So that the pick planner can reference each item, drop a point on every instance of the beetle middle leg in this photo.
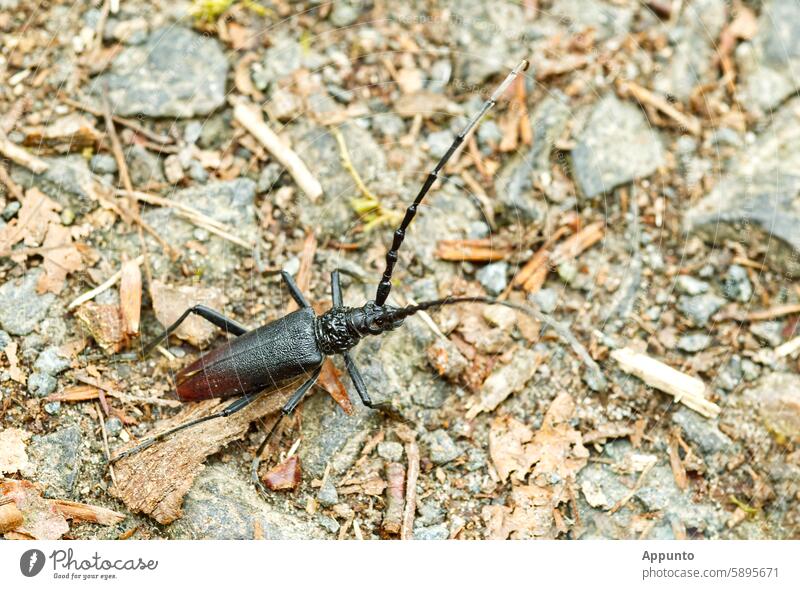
(207, 313)
(287, 409)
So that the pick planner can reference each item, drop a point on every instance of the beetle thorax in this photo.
(342, 328)
(335, 332)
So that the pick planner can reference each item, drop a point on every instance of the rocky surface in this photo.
(175, 73)
(757, 202)
(616, 146)
(769, 63)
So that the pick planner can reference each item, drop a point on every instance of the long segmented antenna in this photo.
(391, 256)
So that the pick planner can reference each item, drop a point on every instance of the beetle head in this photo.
(372, 319)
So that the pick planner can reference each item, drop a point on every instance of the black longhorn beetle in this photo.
(258, 361)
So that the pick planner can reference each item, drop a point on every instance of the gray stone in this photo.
(5, 339)
(21, 308)
(327, 430)
(51, 362)
(222, 505)
(694, 43)
(391, 451)
(113, 426)
(605, 18)
(546, 299)
(57, 458)
(776, 397)
(328, 523)
(616, 146)
(284, 56)
(496, 32)
(690, 285)
(737, 286)
(332, 214)
(493, 277)
(102, 163)
(756, 202)
(64, 181)
(175, 73)
(769, 64)
(52, 408)
(438, 143)
(41, 384)
(700, 308)
(770, 332)
(389, 124)
(430, 514)
(144, 166)
(694, 342)
(11, 210)
(702, 432)
(230, 202)
(269, 176)
(730, 375)
(441, 447)
(327, 494)
(437, 532)
(344, 13)
(515, 181)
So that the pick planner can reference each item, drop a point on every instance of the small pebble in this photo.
(391, 451)
(694, 342)
(102, 163)
(113, 426)
(41, 384)
(52, 408)
(327, 494)
(546, 299)
(493, 277)
(690, 285)
(737, 286)
(442, 449)
(328, 523)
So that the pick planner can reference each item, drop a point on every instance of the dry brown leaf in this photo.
(13, 457)
(104, 323)
(555, 454)
(30, 226)
(170, 302)
(285, 476)
(13, 364)
(61, 257)
(506, 380)
(130, 296)
(41, 519)
(330, 380)
(425, 103)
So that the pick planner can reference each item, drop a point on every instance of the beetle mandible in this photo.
(259, 361)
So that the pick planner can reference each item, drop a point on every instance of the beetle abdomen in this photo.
(263, 358)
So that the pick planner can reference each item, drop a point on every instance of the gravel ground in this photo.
(674, 136)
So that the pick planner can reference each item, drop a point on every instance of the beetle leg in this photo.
(287, 409)
(207, 313)
(294, 290)
(336, 289)
(361, 388)
(236, 405)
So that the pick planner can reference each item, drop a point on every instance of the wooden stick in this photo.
(645, 96)
(250, 118)
(131, 124)
(20, 156)
(685, 388)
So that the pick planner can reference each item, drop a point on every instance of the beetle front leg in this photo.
(361, 388)
(207, 313)
(287, 409)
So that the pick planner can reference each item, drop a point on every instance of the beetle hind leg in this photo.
(207, 313)
(287, 409)
(361, 389)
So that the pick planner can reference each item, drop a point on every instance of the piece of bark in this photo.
(104, 323)
(395, 491)
(83, 512)
(41, 521)
(20, 156)
(155, 480)
(13, 457)
(686, 389)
